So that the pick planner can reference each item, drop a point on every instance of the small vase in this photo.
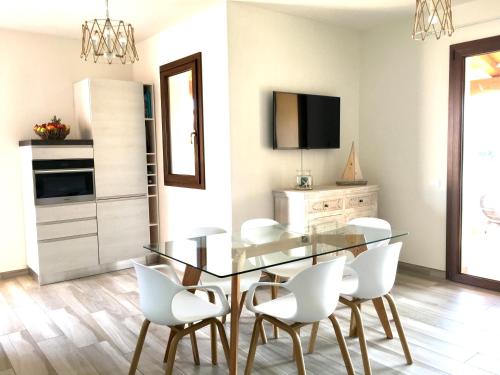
(304, 180)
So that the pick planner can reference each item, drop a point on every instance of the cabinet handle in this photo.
(361, 201)
(326, 205)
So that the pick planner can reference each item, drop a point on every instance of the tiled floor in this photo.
(90, 326)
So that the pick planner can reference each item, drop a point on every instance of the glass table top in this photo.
(228, 254)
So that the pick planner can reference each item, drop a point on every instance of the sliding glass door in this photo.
(473, 243)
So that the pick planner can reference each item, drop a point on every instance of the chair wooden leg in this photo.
(274, 295)
(297, 350)
(213, 333)
(138, 348)
(171, 353)
(399, 327)
(173, 331)
(342, 345)
(297, 347)
(178, 335)
(224, 317)
(355, 308)
(353, 331)
(223, 339)
(263, 336)
(242, 302)
(194, 347)
(253, 346)
(382, 315)
(312, 339)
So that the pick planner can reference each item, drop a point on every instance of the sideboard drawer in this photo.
(326, 205)
(360, 201)
(62, 212)
(326, 223)
(66, 229)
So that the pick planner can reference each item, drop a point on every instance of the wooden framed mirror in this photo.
(182, 121)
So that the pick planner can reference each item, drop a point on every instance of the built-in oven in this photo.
(63, 180)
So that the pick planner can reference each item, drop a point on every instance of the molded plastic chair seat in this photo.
(283, 308)
(349, 283)
(188, 307)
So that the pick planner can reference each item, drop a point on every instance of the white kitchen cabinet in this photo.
(123, 229)
(111, 113)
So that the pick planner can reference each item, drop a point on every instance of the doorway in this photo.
(473, 205)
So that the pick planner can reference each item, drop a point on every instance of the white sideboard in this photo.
(326, 206)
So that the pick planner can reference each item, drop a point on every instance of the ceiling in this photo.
(357, 14)
(64, 17)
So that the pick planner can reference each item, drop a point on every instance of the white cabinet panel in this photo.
(123, 229)
(120, 165)
(69, 211)
(67, 254)
(62, 152)
(117, 127)
(66, 229)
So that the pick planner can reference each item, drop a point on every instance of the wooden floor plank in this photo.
(73, 327)
(24, 355)
(65, 357)
(105, 358)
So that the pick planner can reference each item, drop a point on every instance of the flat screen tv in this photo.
(303, 121)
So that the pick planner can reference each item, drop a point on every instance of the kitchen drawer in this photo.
(360, 201)
(67, 254)
(69, 152)
(326, 223)
(326, 205)
(62, 212)
(66, 229)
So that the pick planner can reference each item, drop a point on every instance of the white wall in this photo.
(205, 32)
(404, 125)
(274, 51)
(36, 81)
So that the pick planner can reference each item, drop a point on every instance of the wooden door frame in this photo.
(458, 53)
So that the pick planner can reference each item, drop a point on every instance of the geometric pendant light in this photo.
(432, 17)
(108, 41)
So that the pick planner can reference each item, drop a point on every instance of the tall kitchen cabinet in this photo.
(111, 112)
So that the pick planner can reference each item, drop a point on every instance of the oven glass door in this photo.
(59, 186)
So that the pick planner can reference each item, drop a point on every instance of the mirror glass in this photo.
(183, 136)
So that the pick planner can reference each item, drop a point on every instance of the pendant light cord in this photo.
(301, 161)
(107, 10)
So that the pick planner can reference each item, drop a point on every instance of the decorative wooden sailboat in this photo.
(352, 173)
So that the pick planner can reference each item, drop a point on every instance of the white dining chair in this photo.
(373, 273)
(260, 231)
(163, 300)
(246, 279)
(313, 296)
(372, 222)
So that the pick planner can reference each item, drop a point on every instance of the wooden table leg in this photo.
(235, 294)
(382, 315)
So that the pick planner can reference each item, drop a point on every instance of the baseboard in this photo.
(14, 273)
(421, 270)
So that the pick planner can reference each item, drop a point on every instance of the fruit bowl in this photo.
(53, 130)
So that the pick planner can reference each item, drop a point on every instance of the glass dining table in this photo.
(233, 254)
